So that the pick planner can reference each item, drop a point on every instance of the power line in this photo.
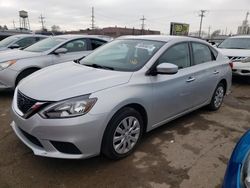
(202, 15)
(142, 24)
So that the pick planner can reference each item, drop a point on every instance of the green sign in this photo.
(179, 29)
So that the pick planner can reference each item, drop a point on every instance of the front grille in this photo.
(66, 147)
(24, 103)
(236, 58)
(32, 139)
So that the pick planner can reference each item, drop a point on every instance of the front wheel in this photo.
(218, 97)
(122, 134)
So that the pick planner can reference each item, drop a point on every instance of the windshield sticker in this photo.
(133, 61)
(149, 47)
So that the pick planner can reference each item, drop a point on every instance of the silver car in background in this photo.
(237, 49)
(123, 89)
(18, 64)
(20, 41)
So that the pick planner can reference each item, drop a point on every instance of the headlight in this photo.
(5, 65)
(69, 108)
(245, 173)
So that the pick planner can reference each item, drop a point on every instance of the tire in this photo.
(127, 138)
(24, 74)
(217, 98)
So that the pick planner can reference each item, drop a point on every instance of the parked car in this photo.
(20, 41)
(237, 49)
(238, 169)
(120, 91)
(16, 65)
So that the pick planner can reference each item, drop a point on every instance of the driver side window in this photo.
(177, 54)
(76, 45)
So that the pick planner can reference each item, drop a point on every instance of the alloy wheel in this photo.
(126, 135)
(219, 95)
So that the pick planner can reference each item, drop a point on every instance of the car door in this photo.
(172, 93)
(206, 73)
(76, 49)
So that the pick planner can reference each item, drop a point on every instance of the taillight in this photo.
(231, 65)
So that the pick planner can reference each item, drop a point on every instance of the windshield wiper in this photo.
(99, 66)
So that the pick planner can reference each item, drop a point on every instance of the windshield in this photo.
(9, 40)
(123, 55)
(235, 43)
(45, 44)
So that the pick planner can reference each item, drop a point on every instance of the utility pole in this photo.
(202, 15)
(93, 19)
(209, 29)
(42, 21)
(142, 24)
(14, 26)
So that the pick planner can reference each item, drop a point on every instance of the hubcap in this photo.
(126, 135)
(219, 94)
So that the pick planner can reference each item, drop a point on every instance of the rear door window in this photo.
(95, 43)
(201, 53)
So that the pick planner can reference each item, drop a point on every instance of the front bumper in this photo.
(7, 78)
(83, 133)
(241, 69)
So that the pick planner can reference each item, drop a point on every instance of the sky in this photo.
(226, 15)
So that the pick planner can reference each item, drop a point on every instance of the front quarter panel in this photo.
(38, 62)
(137, 91)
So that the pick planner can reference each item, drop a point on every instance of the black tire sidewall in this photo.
(107, 145)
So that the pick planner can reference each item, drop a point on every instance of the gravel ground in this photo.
(191, 152)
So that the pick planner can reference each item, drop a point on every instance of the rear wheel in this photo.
(24, 74)
(122, 134)
(218, 97)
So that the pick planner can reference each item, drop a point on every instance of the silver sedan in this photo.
(117, 93)
(17, 64)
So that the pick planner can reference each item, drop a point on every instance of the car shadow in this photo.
(243, 80)
(101, 161)
(6, 93)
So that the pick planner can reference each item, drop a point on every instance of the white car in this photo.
(18, 64)
(237, 49)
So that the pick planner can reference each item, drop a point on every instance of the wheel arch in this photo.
(22, 72)
(224, 82)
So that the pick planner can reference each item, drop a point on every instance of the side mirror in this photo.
(166, 68)
(13, 46)
(60, 51)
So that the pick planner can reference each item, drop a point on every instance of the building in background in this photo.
(244, 29)
(115, 31)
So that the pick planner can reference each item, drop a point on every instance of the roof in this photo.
(27, 35)
(241, 36)
(75, 36)
(163, 38)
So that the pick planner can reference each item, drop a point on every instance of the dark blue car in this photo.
(238, 169)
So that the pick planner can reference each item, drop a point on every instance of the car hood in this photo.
(68, 80)
(235, 52)
(16, 54)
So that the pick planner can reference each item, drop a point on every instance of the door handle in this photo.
(216, 72)
(190, 79)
